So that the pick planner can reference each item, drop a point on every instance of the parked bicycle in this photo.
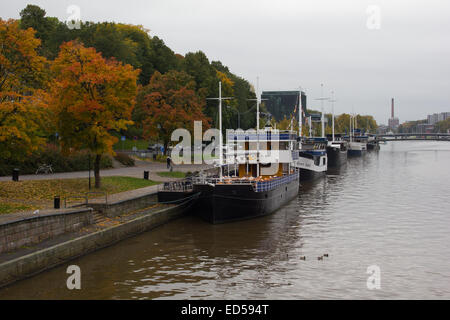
(45, 168)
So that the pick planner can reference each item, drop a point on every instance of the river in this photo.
(389, 209)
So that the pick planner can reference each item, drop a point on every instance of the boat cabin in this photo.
(261, 154)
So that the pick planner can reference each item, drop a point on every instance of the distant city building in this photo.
(425, 128)
(393, 122)
(382, 129)
(437, 117)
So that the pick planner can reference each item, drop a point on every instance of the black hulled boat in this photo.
(336, 151)
(264, 179)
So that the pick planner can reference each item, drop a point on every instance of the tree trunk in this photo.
(97, 170)
(166, 145)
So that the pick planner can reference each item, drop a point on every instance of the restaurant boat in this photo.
(259, 177)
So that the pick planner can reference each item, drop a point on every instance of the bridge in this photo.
(413, 136)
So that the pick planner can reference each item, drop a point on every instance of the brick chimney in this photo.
(392, 108)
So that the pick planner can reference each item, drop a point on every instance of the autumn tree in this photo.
(284, 124)
(230, 108)
(92, 96)
(22, 103)
(366, 123)
(442, 126)
(169, 102)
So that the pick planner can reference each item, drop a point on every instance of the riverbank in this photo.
(386, 209)
(34, 242)
(51, 238)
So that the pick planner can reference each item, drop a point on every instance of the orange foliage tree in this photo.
(22, 103)
(91, 97)
(170, 102)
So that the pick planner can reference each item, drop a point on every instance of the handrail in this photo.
(75, 197)
(184, 185)
(96, 192)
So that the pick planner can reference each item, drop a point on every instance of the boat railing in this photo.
(224, 180)
(273, 183)
(258, 185)
(176, 186)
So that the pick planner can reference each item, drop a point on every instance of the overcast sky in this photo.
(405, 54)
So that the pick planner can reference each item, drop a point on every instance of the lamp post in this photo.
(89, 160)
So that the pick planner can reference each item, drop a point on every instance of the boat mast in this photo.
(257, 125)
(257, 104)
(300, 115)
(220, 98)
(310, 127)
(321, 103)
(220, 129)
(322, 98)
(351, 120)
(332, 113)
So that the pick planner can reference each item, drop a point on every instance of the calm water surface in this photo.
(389, 209)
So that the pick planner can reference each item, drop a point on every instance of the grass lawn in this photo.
(8, 207)
(129, 144)
(34, 194)
(173, 174)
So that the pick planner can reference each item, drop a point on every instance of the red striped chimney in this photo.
(392, 109)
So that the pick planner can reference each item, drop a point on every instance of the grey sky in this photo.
(303, 43)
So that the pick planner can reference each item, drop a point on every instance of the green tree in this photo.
(162, 57)
(50, 31)
(197, 65)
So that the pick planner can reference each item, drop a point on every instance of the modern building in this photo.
(393, 122)
(437, 117)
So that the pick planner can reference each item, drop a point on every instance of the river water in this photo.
(389, 209)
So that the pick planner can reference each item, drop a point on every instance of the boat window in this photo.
(317, 161)
(306, 155)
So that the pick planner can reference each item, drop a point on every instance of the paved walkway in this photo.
(116, 197)
(137, 172)
(15, 216)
